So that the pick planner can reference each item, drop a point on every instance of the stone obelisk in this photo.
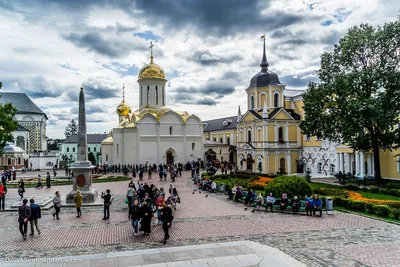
(82, 168)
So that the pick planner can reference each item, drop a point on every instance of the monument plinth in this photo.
(82, 168)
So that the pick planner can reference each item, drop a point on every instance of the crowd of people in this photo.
(313, 203)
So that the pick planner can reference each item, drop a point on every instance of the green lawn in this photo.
(378, 196)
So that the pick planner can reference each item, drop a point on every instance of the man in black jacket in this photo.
(134, 215)
(166, 215)
(24, 213)
(35, 216)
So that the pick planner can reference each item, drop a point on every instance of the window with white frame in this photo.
(332, 168)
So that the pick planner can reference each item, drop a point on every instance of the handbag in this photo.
(178, 200)
(126, 201)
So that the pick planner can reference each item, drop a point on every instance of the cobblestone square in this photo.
(340, 239)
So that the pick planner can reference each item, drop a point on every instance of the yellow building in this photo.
(268, 134)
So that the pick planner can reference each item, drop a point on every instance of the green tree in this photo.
(357, 101)
(53, 143)
(71, 129)
(7, 123)
(92, 158)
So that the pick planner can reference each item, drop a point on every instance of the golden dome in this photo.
(123, 109)
(151, 71)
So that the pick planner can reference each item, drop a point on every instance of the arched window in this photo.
(148, 94)
(67, 149)
(170, 130)
(193, 145)
(156, 95)
(9, 161)
(248, 136)
(141, 92)
(21, 142)
(49, 164)
(73, 149)
(163, 94)
(19, 161)
(276, 100)
(220, 152)
(263, 98)
(282, 165)
(280, 134)
(252, 102)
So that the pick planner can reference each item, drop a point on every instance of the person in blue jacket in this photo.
(317, 205)
(309, 204)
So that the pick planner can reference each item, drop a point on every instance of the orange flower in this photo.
(263, 181)
(358, 196)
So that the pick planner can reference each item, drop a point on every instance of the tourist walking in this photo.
(23, 217)
(134, 215)
(107, 203)
(147, 215)
(35, 216)
(166, 215)
(3, 192)
(78, 203)
(149, 174)
(39, 182)
(48, 178)
(21, 188)
(129, 195)
(57, 205)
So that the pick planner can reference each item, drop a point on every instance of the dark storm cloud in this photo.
(91, 109)
(38, 87)
(224, 17)
(207, 58)
(231, 75)
(96, 43)
(101, 87)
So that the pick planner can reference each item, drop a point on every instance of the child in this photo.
(259, 202)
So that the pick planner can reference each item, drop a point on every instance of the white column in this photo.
(267, 162)
(276, 162)
(231, 140)
(370, 164)
(337, 163)
(224, 138)
(159, 156)
(276, 134)
(348, 166)
(373, 164)
(286, 128)
(362, 163)
(265, 135)
(289, 162)
(342, 162)
(357, 156)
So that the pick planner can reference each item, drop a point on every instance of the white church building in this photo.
(153, 133)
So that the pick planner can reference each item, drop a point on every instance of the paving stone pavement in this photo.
(334, 240)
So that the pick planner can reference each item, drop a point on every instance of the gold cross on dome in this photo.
(151, 48)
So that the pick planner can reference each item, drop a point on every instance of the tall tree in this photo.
(357, 101)
(92, 158)
(7, 123)
(53, 144)
(71, 129)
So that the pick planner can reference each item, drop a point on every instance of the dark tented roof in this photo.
(91, 139)
(218, 124)
(21, 102)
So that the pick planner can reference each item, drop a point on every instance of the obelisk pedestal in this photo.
(82, 168)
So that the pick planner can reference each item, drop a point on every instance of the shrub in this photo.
(382, 210)
(256, 186)
(338, 201)
(291, 185)
(374, 190)
(392, 192)
(395, 213)
(357, 205)
(204, 174)
(384, 191)
(370, 208)
(392, 185)
(398, 193)
(331, 192)
(221, 176)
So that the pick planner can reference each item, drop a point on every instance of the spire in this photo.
(264, 63)
(123, 92)
(239, 117)
(265, 111)
(151, 52)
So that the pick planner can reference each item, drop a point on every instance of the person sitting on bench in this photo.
(284, 202)
(309, 204)
(270, 202)
(317, 205)
(251, 195)
(295, 204)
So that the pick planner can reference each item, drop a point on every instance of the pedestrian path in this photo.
(238, 254)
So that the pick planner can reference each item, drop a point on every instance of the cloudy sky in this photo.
(209, 49)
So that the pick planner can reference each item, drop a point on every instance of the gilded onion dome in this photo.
(123, 109)
(151, 70)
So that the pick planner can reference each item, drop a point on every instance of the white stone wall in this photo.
(324, 155)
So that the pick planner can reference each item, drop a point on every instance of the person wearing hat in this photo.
(78, 203)
(295, 205)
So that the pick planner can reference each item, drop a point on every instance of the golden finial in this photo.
(151, 52)
(81, 88)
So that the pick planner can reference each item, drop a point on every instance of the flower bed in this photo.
(260, 183)
(359, 197)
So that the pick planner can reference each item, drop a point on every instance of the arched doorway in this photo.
(282, 165)
(249, 161)
(170, 157)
